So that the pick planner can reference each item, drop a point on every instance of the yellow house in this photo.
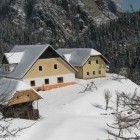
(39, 66)
(89, 62)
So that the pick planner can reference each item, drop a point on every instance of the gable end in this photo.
(4, 60)
(49, 53)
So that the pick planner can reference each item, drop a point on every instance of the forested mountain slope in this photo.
(73, 23)
(48, 21)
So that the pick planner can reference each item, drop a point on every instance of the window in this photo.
(32, 83)
(99, 71)
(87, 73)
(7, 68)
(60, 80)
(93, 72)
(40, 68)
(97, 62)
(46, 81)
(89, 62)
(55, 66)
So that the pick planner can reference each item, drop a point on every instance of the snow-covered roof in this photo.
(8, 87)
(14, 57)
(29, 54)
(25, 56)
(78, 56)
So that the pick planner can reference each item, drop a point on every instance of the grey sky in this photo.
(126, 4)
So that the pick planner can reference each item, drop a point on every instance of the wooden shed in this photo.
(16, 99)
(23, 97)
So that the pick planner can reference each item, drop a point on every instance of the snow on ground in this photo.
(69, 114)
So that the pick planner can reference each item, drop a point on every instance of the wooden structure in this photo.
(20, 105)
(22, 110)
(16, 99)
(23, 97)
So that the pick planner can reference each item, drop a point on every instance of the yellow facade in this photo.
(94, 67)
(50, 67)
(79, 73)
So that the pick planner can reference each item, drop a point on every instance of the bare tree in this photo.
(118, 98)
(6, 130)
(107, 96)
(127, 117)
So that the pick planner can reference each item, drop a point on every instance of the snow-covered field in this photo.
(69, 114)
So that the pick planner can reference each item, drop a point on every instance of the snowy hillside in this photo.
(68, 113)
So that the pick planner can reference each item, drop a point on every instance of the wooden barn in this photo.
(16, 100)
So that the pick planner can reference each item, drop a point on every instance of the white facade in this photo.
(52, 79)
